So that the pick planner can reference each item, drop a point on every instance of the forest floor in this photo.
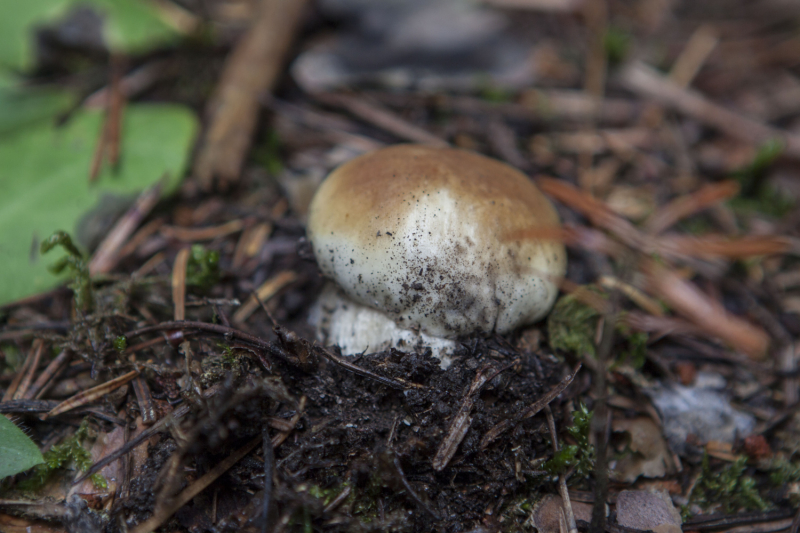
(668, 373)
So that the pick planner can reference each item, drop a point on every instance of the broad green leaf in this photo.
(129, 26)
(17, 452)
(132, 26)
(21, 106)
(44, 183)
(18, 21)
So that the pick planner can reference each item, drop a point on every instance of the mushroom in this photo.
(426, 245)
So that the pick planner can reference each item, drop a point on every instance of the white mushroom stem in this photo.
(356, 329)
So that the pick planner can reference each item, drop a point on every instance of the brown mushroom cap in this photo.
(422, 234)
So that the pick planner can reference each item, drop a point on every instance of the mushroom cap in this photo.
(427, 236)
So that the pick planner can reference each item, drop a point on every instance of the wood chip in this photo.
(251, 70)
(179, 283)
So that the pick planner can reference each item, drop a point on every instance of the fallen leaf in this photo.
(546, 514)
(649, 454)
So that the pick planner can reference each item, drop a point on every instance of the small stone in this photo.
(643, 510)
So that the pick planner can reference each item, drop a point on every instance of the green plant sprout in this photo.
(728, 487)
(81, 283)
(755, 194)
(572, 327)
(202, 271)
(581, 455)
(268, 153)
(783, 472)
(120, 344)
(62, 455)
(616, 42)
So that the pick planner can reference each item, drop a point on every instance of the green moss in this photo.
(268, 153)
(756, 195)
(636, 354)
(60, 456)
(728, 487)
(202, 270)
(121, 344)
(572, 325)
(616, 42)
(78, 265)
(782, 472)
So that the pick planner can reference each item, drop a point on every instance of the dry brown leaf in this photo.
(650, 455)
(547, 513)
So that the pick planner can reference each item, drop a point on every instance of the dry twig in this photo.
(251, 70)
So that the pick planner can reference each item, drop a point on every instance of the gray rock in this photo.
(705, 413)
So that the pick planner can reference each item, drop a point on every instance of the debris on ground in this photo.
(163, 327)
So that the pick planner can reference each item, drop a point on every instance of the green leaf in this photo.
(17, 452)
(18, 20)
(129, 26)
(44, 183)
(132, 26)
(21, 106)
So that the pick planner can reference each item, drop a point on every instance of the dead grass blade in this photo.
(90, 395)
(572, 527)
(179, 283)
(35, 356)
(382, 118)
(633, 294)
(201, 234)
(537, 406)
(107, 254)
(716, 246)
(575, 236)
(267, 290)
(708, 314)
(40, 386)
(690, 204)
(694, 55)
(595, 210)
